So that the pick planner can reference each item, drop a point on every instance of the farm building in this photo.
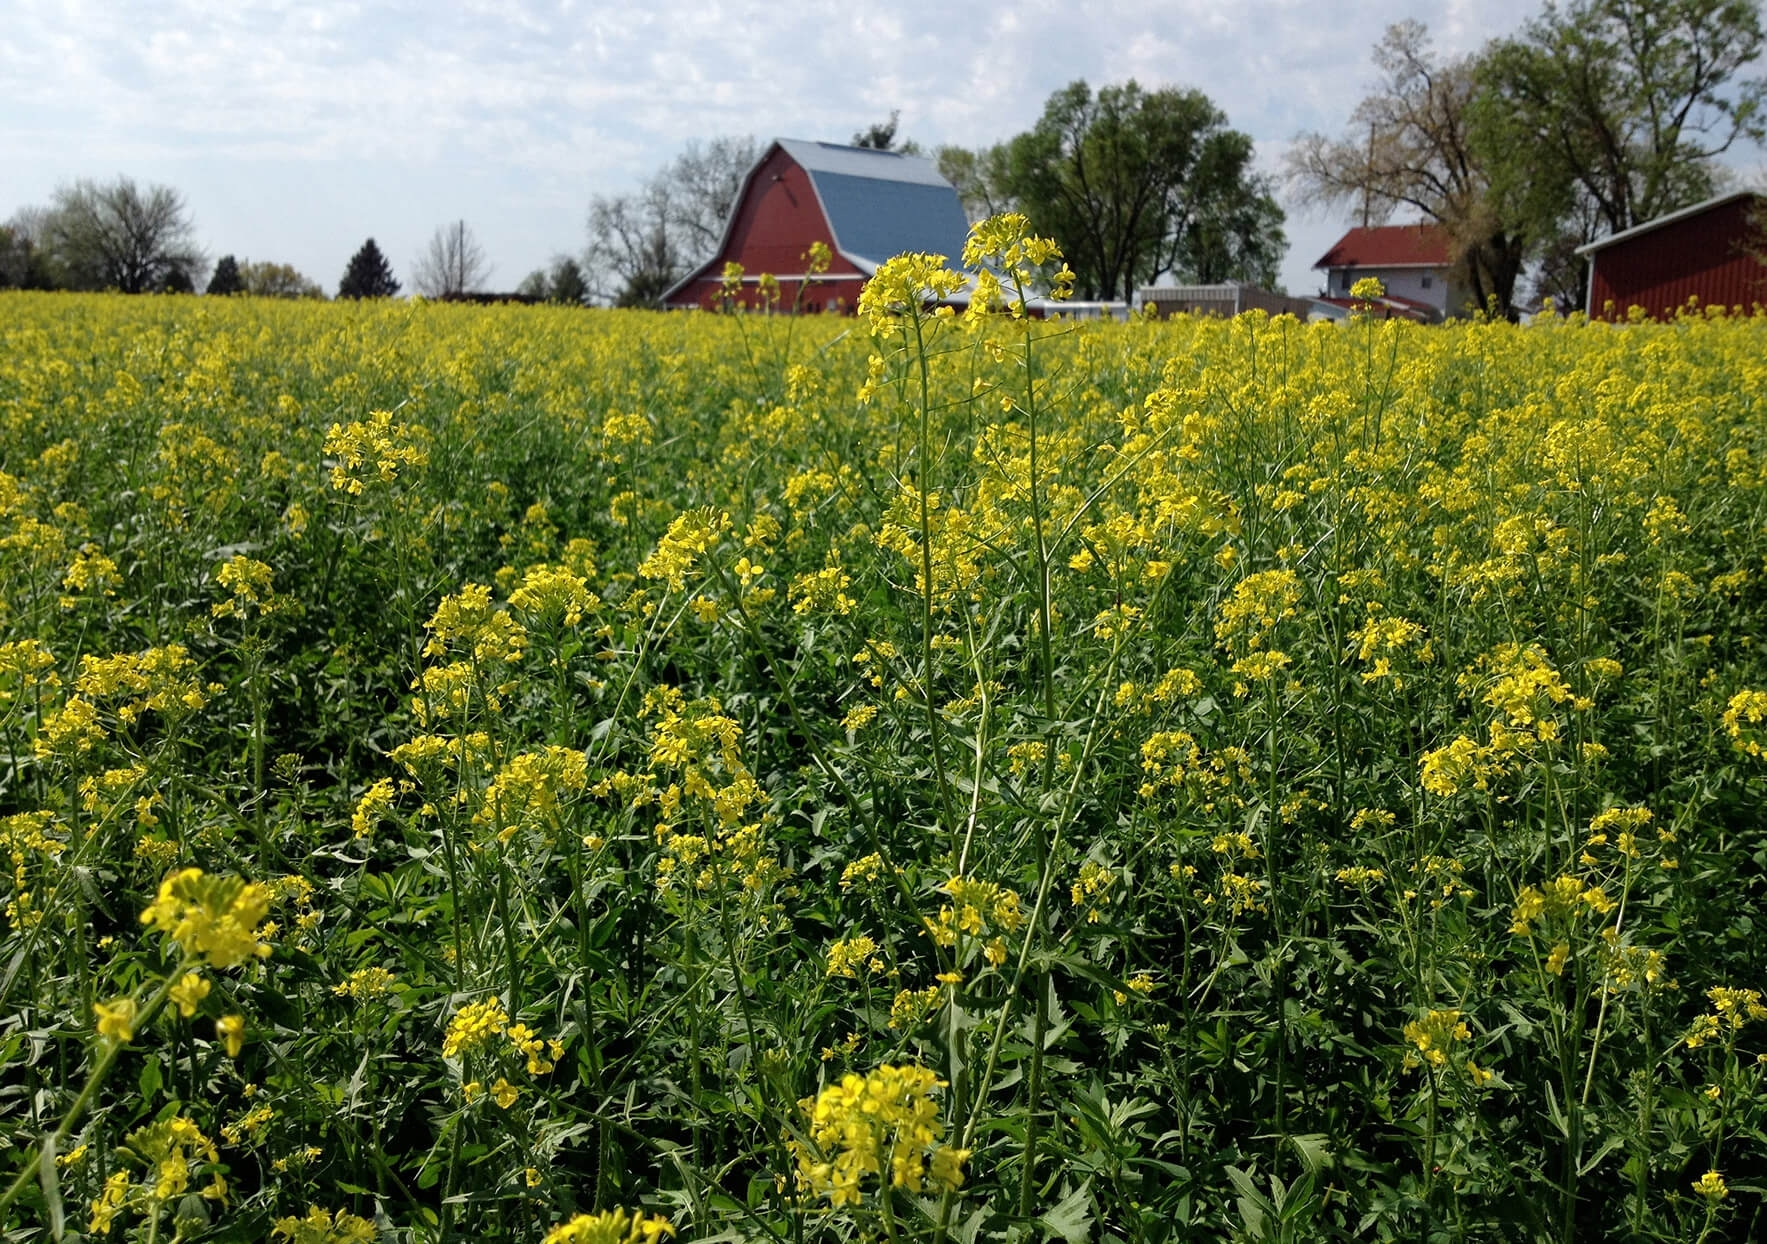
(1413, 262)
(1325, 307)
(866, 205)
(1715, 252)
(1226, 299)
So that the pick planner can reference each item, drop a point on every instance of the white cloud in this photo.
(297, 128)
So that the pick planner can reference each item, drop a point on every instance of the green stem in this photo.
(42, 1165)
(924, 472)
(1034, 1095)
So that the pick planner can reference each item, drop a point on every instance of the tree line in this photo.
(120, 236)
(1135, 183)
(1595, 117)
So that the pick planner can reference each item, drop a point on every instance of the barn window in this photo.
(1428, 280)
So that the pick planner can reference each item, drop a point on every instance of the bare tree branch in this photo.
(453, 264)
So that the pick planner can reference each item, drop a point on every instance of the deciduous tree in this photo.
(264, 279)
(452, 264)
(117, 235)
(1133, 184)
(882, 136)
(24, 260)
(634, 254)
(641, 243)
(1410, 147)
(980, 178)
(1609, 113)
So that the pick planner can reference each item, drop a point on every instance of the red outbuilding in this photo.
(864, 205)
(1714, 252)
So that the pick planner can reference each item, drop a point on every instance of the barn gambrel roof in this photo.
(877, 203)
(881, 203)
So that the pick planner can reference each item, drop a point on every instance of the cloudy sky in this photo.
(295, 130)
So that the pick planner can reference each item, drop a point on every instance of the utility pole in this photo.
(1368, 176)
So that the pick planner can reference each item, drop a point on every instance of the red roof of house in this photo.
(1391, 306)
(1390, 246)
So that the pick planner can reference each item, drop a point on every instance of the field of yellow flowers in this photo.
(528, 774)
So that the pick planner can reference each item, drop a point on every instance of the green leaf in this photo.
(150, 1079)
(1314, 1150)
(1071, 1219)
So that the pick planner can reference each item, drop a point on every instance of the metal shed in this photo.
(1713, 252)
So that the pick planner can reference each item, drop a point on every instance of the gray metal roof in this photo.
(862, 162)
(881, 203)
(1668, 219)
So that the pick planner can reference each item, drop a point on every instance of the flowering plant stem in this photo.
(42, 1165)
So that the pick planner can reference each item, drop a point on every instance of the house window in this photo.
(1428, 280)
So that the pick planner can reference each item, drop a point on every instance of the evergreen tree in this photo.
(567, 284)
(369, 275)
(226, 279)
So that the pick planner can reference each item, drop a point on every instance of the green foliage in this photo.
(368, 275)
(1137, 183)
(563, 283)
(264, 279)
(881, 136)
(226, 278)
(1191, 780)
(1603, 114)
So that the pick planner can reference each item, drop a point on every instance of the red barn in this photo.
(1714, 251)
(865, 205)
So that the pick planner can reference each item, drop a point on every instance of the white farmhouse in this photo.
(1412, 262)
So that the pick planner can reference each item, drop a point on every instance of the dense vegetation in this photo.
(464, 770)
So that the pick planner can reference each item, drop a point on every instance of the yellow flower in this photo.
(108, 1202)
(904, 286)
(372, 808)
(116, 1018)
(375, 449)
(214, 918)
(885, 1126)
(366, 983)
(1434, 1037)
(188, 993)
(1743, 719)
(1711, 1186)
(846, 958)
(230, 1031)
(321, 1227)
(473, 1025)
(614, 1226)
